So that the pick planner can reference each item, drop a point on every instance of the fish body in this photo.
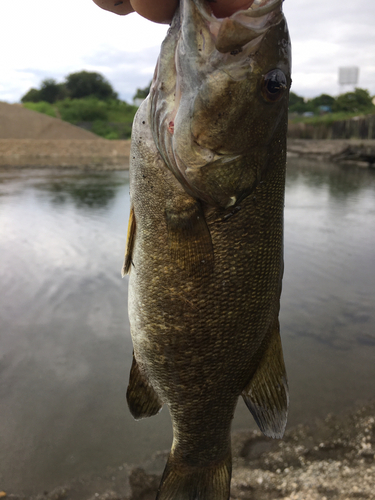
(205, 238)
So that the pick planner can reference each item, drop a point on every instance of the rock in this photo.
(143, 486)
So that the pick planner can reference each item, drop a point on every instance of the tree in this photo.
(32, 95)
(296, 103)
(85, 83)
(323, 100)
(357, 101)
(142, 93)
(51, 91)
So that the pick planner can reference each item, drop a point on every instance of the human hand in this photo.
(162, 11)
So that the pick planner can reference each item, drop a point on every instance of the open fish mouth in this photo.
(233, 32)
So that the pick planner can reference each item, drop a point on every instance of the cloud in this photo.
(125, 70)
(326, 36)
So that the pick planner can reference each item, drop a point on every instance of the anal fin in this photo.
(266, 395)
(189, 238)
(141, 397)
(129, 243)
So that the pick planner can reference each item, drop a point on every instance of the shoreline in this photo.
(101, 154)
(331, 460)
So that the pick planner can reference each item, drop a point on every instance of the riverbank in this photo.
(349, 152)
(96, 154)
(333, 460)
(101, 154)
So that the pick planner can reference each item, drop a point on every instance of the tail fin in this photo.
(195, 483)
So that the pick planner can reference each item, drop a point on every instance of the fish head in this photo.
(219, 98)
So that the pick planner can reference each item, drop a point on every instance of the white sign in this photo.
(349, 75)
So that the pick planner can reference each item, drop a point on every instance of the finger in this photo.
(121, 7)
(159, 11)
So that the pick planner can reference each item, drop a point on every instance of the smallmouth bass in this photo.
(205, 238)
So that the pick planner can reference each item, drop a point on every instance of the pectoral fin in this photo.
(189, 238)
(141, 397)
(129, 243)
(267, 395)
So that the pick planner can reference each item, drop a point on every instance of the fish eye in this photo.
(274, 85)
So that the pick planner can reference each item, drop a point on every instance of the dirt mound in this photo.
(17, 122)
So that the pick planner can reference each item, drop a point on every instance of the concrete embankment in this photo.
(350, 152)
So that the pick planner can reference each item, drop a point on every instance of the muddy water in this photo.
(65, 348)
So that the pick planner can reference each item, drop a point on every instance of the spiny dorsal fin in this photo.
(141, 397)
(129, 244)
(189, 238)
(266, 395)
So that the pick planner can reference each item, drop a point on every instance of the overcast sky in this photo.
(49, 39)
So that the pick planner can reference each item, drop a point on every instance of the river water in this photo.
(65, 348)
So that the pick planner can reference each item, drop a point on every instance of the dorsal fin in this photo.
(266, 395)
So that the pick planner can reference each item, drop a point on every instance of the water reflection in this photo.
(96, 192)
(341, 181)
(65, 343)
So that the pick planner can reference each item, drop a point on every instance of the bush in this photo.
(112, 130)
(41, 107)
(89, 109)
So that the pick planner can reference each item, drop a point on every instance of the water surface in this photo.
(65, 348)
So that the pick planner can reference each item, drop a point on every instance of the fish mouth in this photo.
(233, 32)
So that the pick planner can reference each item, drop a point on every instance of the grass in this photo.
(110, 119)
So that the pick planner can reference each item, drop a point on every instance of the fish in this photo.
(204, 249)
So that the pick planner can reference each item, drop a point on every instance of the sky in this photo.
(42, 39)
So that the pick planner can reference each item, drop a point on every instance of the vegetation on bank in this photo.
(111, 119)
(85, 99)
(328, 109)
(88, 100)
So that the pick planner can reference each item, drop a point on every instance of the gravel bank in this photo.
(17, 122)
(100, 154)
(97, 154)
(334, 460)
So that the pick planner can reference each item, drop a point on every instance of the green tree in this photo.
(323, 100)
(142, 93)
(89, 84)
(297, 103)
(357, 101)
(32, 95)
(51, 91)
